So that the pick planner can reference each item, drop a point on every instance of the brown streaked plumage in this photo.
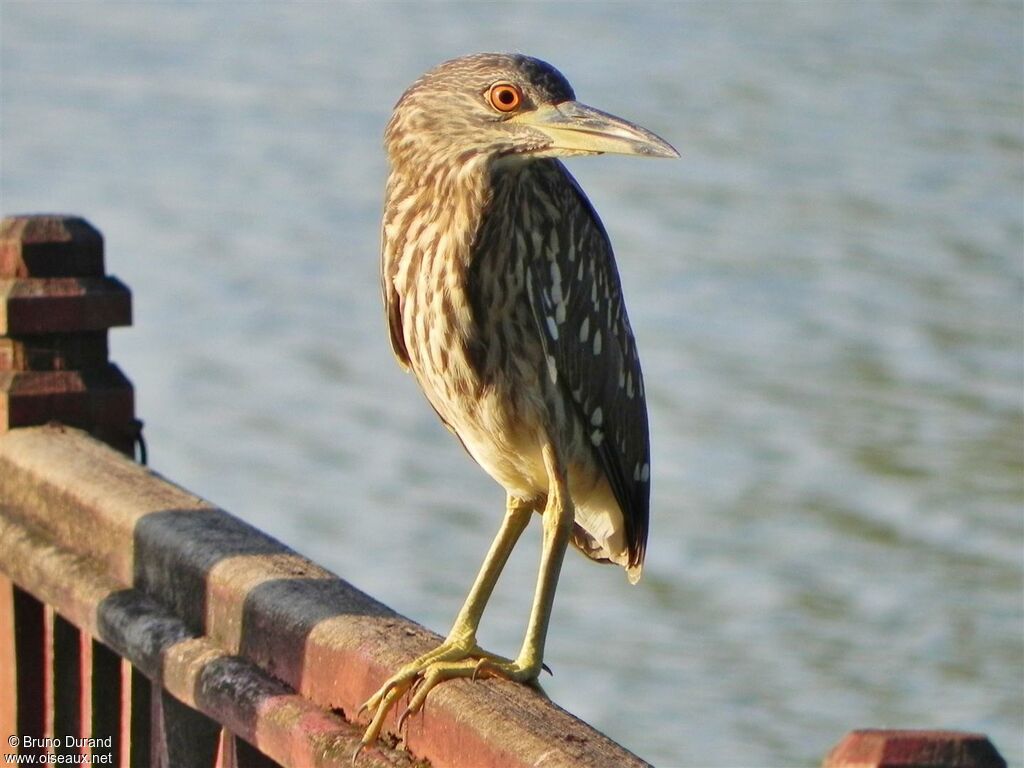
(503, 299)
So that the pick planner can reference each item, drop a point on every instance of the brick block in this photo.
(63, 352)
(101, 400)
(872, 748)
(63, 305)
(50, 246)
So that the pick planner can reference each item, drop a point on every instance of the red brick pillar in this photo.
(876, 748)
(56, 305)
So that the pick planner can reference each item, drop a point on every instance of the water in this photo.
(826, 290)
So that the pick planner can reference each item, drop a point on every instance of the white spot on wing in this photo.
(596, 437)
(552, 327)
(552, 369)
(556, 283)
(596, 417)
(597, 342)
(584, 330)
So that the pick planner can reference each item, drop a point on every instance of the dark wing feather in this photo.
(591, 344)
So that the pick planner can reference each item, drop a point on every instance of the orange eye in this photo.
(505, 97)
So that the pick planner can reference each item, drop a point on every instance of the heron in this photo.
(503, 299)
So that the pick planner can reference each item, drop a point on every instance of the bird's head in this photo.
(488, 106)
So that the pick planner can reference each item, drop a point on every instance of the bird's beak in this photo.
(575, 128)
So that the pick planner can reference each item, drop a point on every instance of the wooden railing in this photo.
(142, 625)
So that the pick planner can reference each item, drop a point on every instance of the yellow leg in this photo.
(458, 655)
(558, 521)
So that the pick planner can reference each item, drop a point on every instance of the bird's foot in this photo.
(450, 660)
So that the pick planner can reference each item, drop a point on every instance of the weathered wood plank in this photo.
(197, 672)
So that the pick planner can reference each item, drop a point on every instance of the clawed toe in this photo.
(418, 679)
